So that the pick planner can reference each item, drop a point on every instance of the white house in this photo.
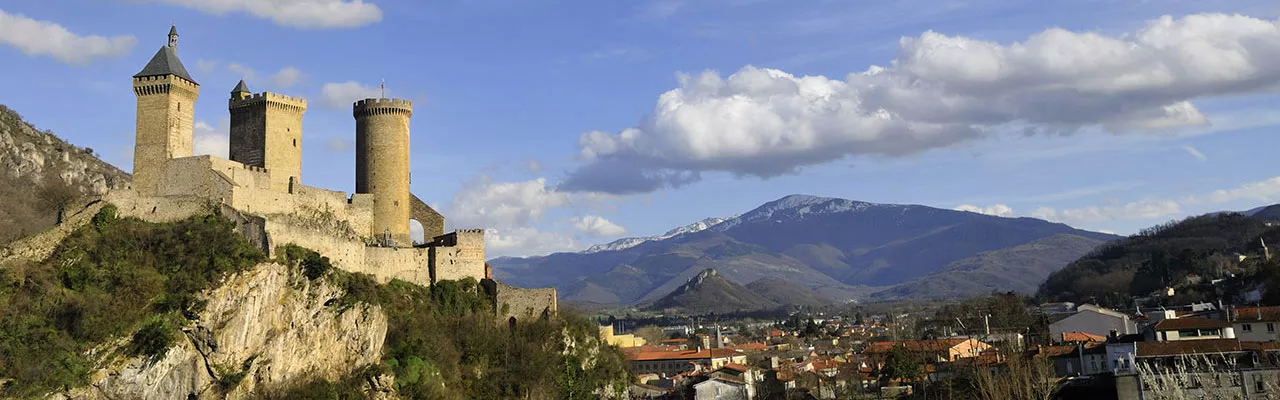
(1094, 320)
(1256, 324)
(720, 389)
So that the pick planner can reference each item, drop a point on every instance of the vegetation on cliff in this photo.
(40, 173)
(121, 287)
(443, 342)
(112, 279)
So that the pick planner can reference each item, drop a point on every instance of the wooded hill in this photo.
(1164, 255)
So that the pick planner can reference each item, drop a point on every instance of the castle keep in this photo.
(366, 231)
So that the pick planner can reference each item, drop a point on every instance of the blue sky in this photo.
(559, 124)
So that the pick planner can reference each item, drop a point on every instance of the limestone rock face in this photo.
(261, 330)
(27, 153)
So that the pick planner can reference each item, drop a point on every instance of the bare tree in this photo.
(57, 195)
(1205, 376)
(650, 334)
(1019, 378)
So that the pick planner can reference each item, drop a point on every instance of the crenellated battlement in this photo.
(369, 107)
(295, 104)
(167, 79)
(151, 85)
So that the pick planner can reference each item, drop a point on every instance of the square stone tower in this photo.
(166, 98)
(266, 131)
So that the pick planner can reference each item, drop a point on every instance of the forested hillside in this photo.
(1160, 256)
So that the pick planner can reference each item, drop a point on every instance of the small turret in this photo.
(241, 91)
(173, 36)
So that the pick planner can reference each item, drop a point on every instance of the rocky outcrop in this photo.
(261, 331)
(35, 164)
(28, 152)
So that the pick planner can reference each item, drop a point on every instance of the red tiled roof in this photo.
(917, 345)
(643, 349)
(674, 341)
(1251, 314)
(1147, 349)
(752, 347)
(1082, 337)
(737, 367)
(681, 355)
(1189, 323)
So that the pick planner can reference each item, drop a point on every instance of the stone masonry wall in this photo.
(525, 303)
(432, 222)
(164, 125)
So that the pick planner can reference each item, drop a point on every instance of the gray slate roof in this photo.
(165, 62)
(241, 88)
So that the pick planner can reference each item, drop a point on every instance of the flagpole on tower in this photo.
(384, 88)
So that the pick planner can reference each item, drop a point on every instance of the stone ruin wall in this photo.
(525, 303)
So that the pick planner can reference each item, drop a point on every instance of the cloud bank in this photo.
(307, 14)
(45, 38)
(340, 96)
(939, 91)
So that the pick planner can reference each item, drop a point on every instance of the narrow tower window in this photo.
(295, 142)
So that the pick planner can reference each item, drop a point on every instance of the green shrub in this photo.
(105, 217)
(116, 277)
(153, 339)
(313, 264)
(444, 342)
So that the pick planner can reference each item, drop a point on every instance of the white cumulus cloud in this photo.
(342, 95)
(523, 241)
(597, 226)
(1267, 191)
(999, 210)
(286, 77)
(1137, 210)
(312, 14)
(46, 38)
(939, 91)
(484, 203)
(211, 141)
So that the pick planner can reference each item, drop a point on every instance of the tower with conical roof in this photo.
(166, 95)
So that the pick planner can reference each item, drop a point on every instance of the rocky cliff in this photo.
(263, 330)
(35, 165)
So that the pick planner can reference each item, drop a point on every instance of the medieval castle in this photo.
(367, 231)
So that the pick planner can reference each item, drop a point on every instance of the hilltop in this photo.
(708, 292)
(1160, 256)
(39, 172)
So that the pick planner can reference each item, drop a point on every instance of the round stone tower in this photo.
(382, 164)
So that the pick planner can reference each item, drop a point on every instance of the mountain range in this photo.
(834, 248)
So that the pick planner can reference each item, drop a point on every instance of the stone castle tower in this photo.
(266, 132)
(382, 163)
(166, 98)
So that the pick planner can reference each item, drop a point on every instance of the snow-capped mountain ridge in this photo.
(626, 243)
(799, 207)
